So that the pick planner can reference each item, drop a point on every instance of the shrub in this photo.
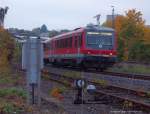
(12, 91)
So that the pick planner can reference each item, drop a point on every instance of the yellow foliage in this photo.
(146, 37)
(6, 51)
(130, 28)
(127, 104)
(56, 92)
(103, 83)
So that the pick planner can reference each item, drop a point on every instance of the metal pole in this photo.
(33, 86)
(98, 19)
(39, 70)
(113, 17)
(32, 62)
(28, 69)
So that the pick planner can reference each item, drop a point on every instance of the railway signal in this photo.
(79, 84)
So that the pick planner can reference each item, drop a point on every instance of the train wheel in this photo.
(54, 63)
(101, 68)
(83, 66)
(46, 61)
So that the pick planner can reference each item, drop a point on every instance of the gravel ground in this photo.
(67, 102)
(70, 108)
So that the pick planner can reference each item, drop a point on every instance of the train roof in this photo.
(98, 28)
(79, 30)
(46, 41)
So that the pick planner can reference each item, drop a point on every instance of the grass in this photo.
(131, 68)
(103, 83)
(12, 100)
(9, 79)
(12, 92)
(9, 108)
(6, 80)
(72, 74)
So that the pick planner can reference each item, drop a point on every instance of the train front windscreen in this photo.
(100, 40)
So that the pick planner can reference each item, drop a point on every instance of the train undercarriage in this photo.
(96, 62)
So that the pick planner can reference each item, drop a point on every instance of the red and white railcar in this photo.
(91, 46)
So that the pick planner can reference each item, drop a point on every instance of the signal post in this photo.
(32, 62)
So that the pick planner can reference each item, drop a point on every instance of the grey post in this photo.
(32, 61)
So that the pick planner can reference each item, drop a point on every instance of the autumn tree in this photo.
(132, 35)
(7, 48)
(118, 28)
(146, 37)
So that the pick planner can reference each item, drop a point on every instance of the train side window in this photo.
(71, 42)
(65, 42)
(45, 47)
(49, 46)
(58, 43)
(53, 45)
(80, 40)
(62, 43)
(68, 42)
(75, 41)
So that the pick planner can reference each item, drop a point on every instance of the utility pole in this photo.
(3, 12)
(113, 17)
(98, 19)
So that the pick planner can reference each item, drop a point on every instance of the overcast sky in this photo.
(66, 14)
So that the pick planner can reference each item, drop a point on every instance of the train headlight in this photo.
(110, 54)
(89, 52)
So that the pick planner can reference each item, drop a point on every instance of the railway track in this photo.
(126, 75)
(139, 101)
(115, 74)
(133, 82)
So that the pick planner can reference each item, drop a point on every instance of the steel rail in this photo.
(120, 95)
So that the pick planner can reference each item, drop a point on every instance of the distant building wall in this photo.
(148, 26)
(110, 17)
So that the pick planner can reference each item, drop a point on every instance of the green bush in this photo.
(9, 108)
(13, 91)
